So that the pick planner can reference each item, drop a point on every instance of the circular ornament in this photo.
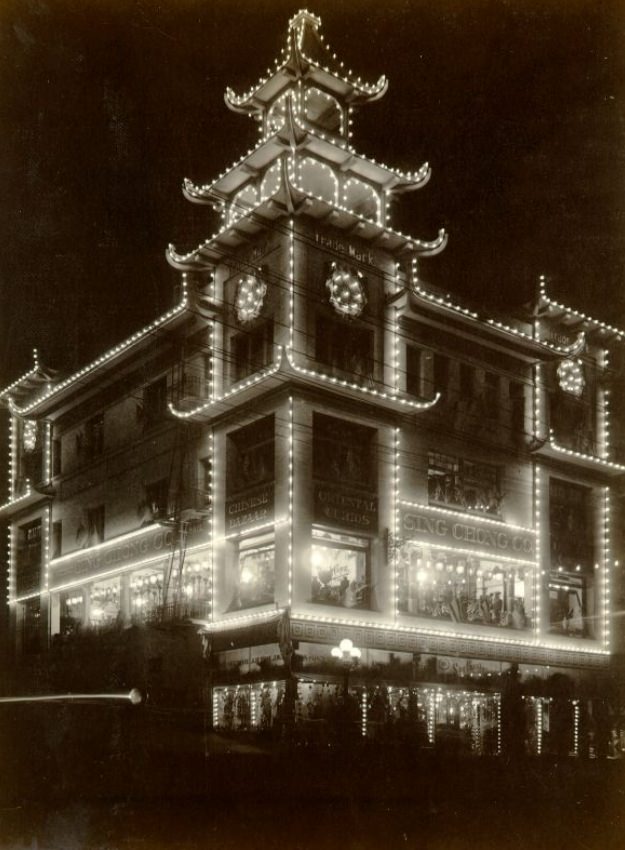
(251, 291)
(571, 377)
(347, 293)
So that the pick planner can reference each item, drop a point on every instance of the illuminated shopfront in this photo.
(340, 570)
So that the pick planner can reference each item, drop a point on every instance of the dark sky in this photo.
(105, 106)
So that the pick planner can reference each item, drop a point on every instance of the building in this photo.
(315, 445)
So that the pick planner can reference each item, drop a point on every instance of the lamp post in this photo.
(348, 656)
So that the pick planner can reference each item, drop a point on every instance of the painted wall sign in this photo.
(351, 251)
(346, 508)
(421, 524)
(252, 507)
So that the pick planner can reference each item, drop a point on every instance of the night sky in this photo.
(106, 106)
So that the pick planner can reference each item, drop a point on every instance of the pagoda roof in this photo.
(573, 320)
(288, 199)
(306, 56)
(29, 383)
(335, 152)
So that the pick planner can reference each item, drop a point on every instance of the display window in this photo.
(72, 613)
(459, 483)
(247, 707)
(146, 592)
(467, 721)
(255, 578)
(105, 602)
(445, 585)
(340, 570)
(568, 604)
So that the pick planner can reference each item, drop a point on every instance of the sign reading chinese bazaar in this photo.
(346, 508)
(463, 533)
(250, 508)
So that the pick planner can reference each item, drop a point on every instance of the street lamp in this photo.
(348, 655)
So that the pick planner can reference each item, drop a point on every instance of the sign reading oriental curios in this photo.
(345, 508)
(462, 533)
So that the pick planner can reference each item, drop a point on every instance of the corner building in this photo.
(316, 444)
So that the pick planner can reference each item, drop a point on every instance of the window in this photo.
(466, 381)
(95, 525)
(517, 407)
(255, 579)
(464, 484)
(94, 437)
(571, 580)
(156, 503)
(56, 457)
(344, 348)
(252, 350)
(445, 585)
(28, 561)
(57, 539)
(155, 402)
(491, 394)
(416, 383)
(340, 570)
(344, 453)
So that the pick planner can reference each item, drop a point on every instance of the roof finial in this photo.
(302, 18)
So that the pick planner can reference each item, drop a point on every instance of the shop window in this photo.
(104, 603)
(459, 483)
(28, 558)
(31, 626)
(345, 348)
(57, 539)
(247, 707)
(340, 570)
(255, 573)
(146, 593)
(94, 437)
(465, 721)
(72, 613)
(251, 350)
(155, 402)
(95, 525)
(443, 585)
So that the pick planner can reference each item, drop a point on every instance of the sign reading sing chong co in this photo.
(422, 524)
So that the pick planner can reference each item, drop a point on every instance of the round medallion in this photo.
(571, 377)
(251, 291)
(347, 293)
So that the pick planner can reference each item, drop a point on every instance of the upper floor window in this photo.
(156, 503)
(94, 436)
(459, 483)
(57, 539)
(155, 402)
(255, 573)
(345, 347)
(427, 372)
(344, 453)
(573, 399)
(252, 350)
(28, 558)
(90, 531)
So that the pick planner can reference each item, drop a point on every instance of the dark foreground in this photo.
(352, 801)
(85, 779)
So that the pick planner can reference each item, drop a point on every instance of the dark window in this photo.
(571, 526)
(250, 459)
(155, 402)
(460, 483)
(414, 370)
(57, 539)
(491, 394)
(28, 561)
(204, 484)
(95, 525)
(517, 407)
(252, 350)
(344, 453)
(344, 347)
(56, 457)
(441, 373)
(156, 500)
(94, 437)
(466, 380)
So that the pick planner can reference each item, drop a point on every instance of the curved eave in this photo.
(576, 322)
(290, 200)
(305, 141)
(505, 339)
(108, 367)
(284, 371)
(26, 386)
